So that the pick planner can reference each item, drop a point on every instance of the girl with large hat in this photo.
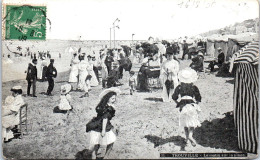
(100, 127)
(190, 97)
(169, 79)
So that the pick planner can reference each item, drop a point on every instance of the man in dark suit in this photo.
(185, 49)
(31, 77)
(50, 74)
(220, 60)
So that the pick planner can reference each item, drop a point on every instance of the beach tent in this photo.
(240, 40)
(246, 94)
(217, 41)
(210, 50)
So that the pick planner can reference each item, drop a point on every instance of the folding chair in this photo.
(23, 120)
(200, 73)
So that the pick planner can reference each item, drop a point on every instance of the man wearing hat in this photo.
(108, 61)
(50, 74)
(185, 49)
(31, 77)
(162, 49)
(219, 62)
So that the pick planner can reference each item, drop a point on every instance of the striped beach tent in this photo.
(246, 97)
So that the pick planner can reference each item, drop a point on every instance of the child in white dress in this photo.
(65, 100)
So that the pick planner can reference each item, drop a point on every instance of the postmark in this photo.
(24, 22)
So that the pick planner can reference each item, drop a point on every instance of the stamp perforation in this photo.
(43, 25)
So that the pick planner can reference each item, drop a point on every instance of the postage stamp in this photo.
(25, 22)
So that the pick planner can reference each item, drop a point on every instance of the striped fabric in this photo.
(249, 54)
(246, 106)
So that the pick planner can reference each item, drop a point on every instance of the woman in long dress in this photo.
(74, 72)
(84, 84)
(169, 79)
(93, 80)
(104, 71)
(142, 77)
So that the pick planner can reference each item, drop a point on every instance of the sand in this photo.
(147, 126)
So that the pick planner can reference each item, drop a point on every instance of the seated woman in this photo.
(197, 62)
(10, 112)
(142, 77)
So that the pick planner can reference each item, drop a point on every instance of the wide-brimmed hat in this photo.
(219, 48)
(106, 91)
(187, 75)
(65, 88)
(115, 64)
(200, 54)
(17, 89)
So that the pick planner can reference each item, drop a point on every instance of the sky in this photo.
(167, 19)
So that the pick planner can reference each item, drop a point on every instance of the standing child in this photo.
(132, 82)
(100, 128)
(65, 100)
(190, 97)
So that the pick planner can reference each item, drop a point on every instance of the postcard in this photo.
(130, 79)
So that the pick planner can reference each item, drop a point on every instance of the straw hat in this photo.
(106, 91)
(200, 54)
(17, 89)
(65, 88)
(187, 75)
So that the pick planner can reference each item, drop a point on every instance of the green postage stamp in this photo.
(25, 22)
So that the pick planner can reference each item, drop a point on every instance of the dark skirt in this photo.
(95, 124)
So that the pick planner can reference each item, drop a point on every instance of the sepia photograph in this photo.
(130, 79)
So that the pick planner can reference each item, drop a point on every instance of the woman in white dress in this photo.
(10, 112)
(104, 71)
(169, 79)
(74, 72)
(84, 84)
(93, 80)
(65, 98)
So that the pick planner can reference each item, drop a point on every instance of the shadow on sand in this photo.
(84, 154)
(157, 141)
(219, 133)
(232, 81)
(154, 99)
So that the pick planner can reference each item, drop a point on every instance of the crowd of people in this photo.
(158, 59)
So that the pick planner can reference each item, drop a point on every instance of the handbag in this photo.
(169, 84)
(93, 124)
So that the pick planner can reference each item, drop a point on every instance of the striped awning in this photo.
(249, 54)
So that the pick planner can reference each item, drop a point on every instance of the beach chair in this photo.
(23, 126)
(153, 75)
